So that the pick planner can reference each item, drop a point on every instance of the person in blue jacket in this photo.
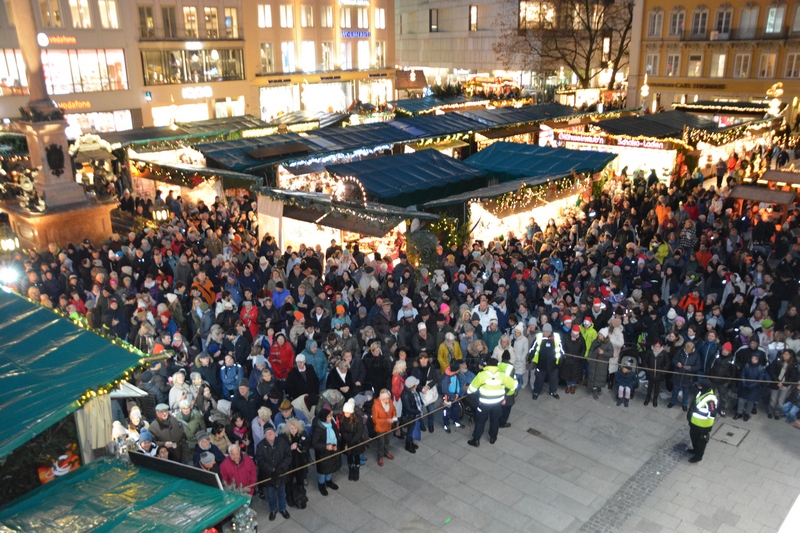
(752, 375)
(230, 375)
(626, 382)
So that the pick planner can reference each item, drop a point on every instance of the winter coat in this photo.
(243, 474)
(352, 433)
(750, 389)
(427, 376)
(230, 376)
(247, 406)
(598, 370)
(519, 357)
(335, 381)
(273, 460)
(774, 369)
(654, 364)
(381, 419)
(317, 361)
(281, 359)
(444, 357)
(629, 380)
(617, 339)
(571, 368)
(191, 426)
(378, 370)
(328, 463)
(690, 364)
(197, 451)
(296, 385)
(410, 408)
(169, 431)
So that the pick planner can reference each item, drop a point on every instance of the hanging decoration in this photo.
(693, 136)
(88, 142)
(528, 197)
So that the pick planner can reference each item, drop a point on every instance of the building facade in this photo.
(718, 51)
(318, 55)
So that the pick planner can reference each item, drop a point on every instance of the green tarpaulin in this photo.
(111, 496)
(46, 364)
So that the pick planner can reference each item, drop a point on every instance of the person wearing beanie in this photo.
(655, 361)
(325, 440)
(302, 379)
(145, 443)
(599, 354)
(412, 410)
(571, 368)
(351, 428)
(208, 463)
(274, 458)
(545, 356)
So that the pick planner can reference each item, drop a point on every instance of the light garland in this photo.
(527, 197)
(89, 139)
(335, 158)
(728, 135)
(679, 143)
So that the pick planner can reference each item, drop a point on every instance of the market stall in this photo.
(311, 218)
(764, 198)
(784, 180)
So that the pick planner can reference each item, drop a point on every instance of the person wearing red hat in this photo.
(600, 314)
(571, 369)
(720, 370)
(166, 324)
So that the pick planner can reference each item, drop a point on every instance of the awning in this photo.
(509, 116)
(190, 176)
(444, 145)
(761, 194)
(508, 161)
(429, 104)
(46, 364)
(658, 125)
(94, 155)
(510, 132)
(490, 192)
(406, 179)
(781, 176)
(371, 219)
(110, 496)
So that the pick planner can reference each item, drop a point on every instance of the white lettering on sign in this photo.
(589, 139)
(195, 93)
(636, 143)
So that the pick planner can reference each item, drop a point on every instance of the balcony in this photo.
(158, 33)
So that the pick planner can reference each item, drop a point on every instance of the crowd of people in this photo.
(276, 358)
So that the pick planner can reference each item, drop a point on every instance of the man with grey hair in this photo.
(238, 469)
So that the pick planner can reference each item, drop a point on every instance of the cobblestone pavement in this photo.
(590, 467)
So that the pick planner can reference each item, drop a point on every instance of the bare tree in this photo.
(584, 36)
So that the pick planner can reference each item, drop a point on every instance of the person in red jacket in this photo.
(281, 357)
(238, 469)
(692, 298)
(249, 317)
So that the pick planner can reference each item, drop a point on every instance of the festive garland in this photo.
(728, 135)
(527, 197)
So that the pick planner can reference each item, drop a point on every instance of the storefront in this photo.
(191, 103)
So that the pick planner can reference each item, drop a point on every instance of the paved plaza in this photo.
(568, 465)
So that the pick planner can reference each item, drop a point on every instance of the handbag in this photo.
(430, 397)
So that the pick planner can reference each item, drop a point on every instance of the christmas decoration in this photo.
(244, 521)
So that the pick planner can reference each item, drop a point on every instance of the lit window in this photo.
(741, 66)
(327, 56)
(79, 9)
(748, 22)
(287, 20)
(535, 13)
(264, 16)
(212, 22)
(363, 18)
(655, 22)
(190, 22)
(695, 66)
(380, 18)
(51, 13)
(775, 16)
(287, 56)
(231, 23)
(766, 65)
(326, 17)
(345, 20)
(433, 20)
(267, 64)
(306, 16)
(651, 65)
(793, 65)
(108, 14)
(473, 18)
(308, 56)
(673, 65)
(717, 65)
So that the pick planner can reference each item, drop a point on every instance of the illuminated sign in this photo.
(717, 86)
(355, 33)
(354, 2)
(640, 143)
(194, 45)
(602, 139)
(44, 40)
(195, 93)
(578, 138)
(72, 105)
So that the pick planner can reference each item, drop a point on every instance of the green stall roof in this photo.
(659, 125)
(46, 364)
(110, 496)
(511, 160)
(406, 179)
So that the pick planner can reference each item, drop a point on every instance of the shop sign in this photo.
(353, 2)
(641, 143)
(356, 33)
(44, 40)
(194, 45)
(195, 93)
(715, 86)
(72, 105)
(581, 138)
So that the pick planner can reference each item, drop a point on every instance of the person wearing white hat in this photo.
(412, 409)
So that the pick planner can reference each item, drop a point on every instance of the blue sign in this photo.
(356, 34)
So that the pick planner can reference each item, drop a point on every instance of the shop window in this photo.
(267, 60)
(717, 69)
(364, 56)
(724, 18)
(677, 22)
(380, 54)
(13, 80)
(748, 22)
(287, 57)
(287, 17)
(108, 14)
(9, 12)
(793, 65)
(473, 18)
(77, 71)
(308, 56)
(346, 55)
(536, 13)
(326, 17)
(231, 23)
(306, 16)
(147, 24)
(363, 18)
(212, 22)
(163, 67)
(695, 66)
(51, 13)
(651, 65)
(345, 17)
(766, 65)
(380, 18)
(170, 20)
(433, 20)
(774, 21)
(655, 21)
(327, 56)
(673, 65)
(190, 22)
(741, 66)
(264, 16)
(699, 22)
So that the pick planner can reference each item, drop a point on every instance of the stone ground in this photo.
(591, 467)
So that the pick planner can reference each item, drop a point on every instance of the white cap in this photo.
(421, 326)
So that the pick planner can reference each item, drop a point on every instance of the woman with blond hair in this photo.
(295, 433)
(398, 385)
(384, 416)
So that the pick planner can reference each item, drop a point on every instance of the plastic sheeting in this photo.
(111, 496)
(46, 364)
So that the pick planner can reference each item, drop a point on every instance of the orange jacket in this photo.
(380, 418)
(686, 300)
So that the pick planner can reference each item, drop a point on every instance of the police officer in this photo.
(493, 387)
(545, 354)
(701, 416)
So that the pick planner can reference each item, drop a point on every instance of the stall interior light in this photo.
(160, 214)
(762, 182)
(10, 244)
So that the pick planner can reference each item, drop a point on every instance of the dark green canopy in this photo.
(46, 364)
(111, 496)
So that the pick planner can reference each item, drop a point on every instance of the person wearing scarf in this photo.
(325, 441)
(412, 409)
(384, 416)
